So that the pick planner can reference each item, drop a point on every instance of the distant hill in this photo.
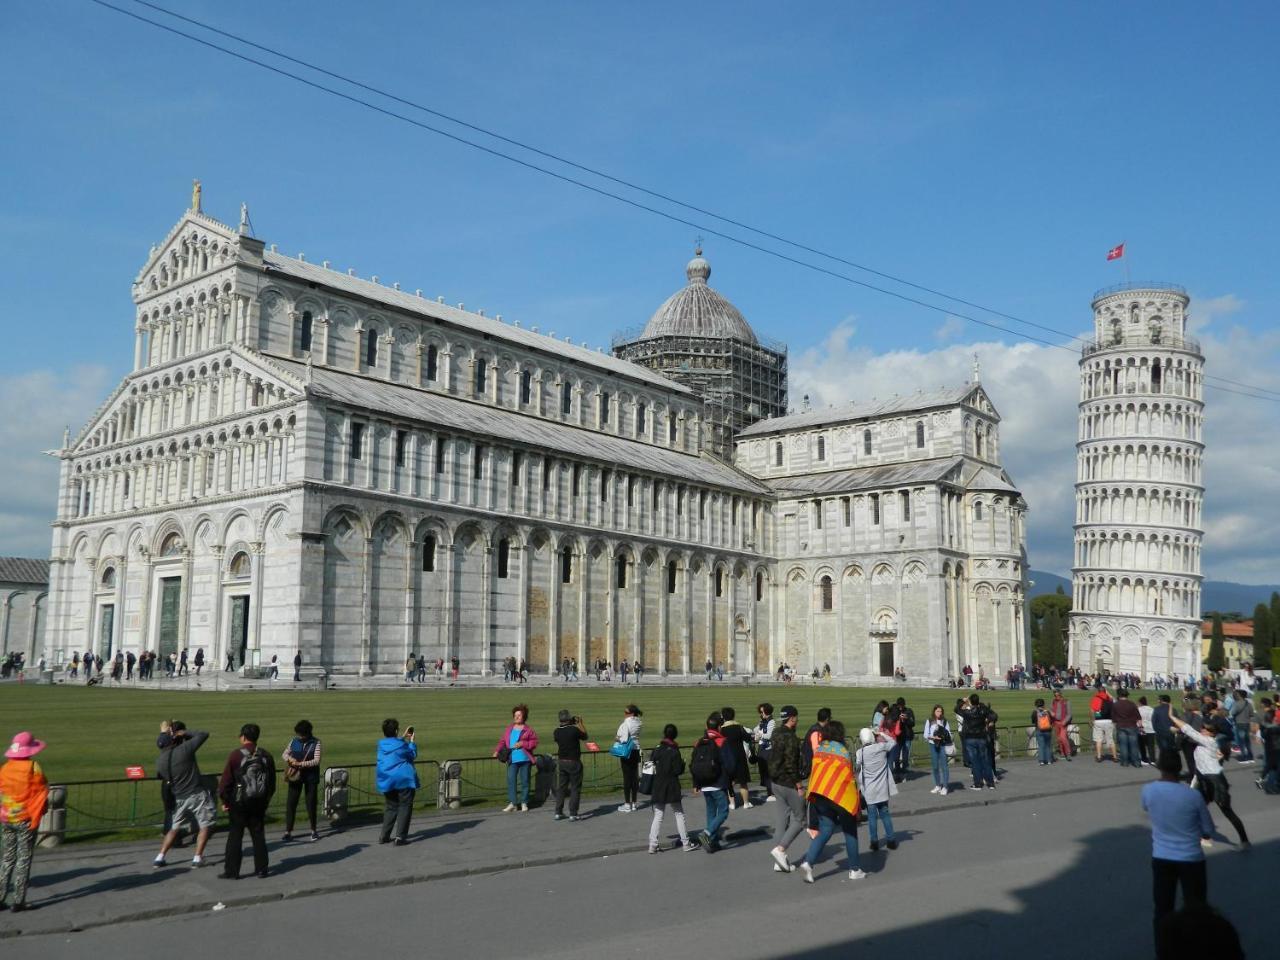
(1221, 595)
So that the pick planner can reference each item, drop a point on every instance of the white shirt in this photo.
(1145, 712)
(1207, 759)
(629, 729)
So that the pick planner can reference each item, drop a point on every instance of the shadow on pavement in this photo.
(318, 858)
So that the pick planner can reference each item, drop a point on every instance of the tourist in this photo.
(710, 669)
(24, 794)
(568, 737)
(177, 767)
(737, 736)
(978, 718)
(1213, 782)
(834, 799)
(711, 768)
(637, 668)
(812, 737)
(762, 735)
(75, 664)
(876, 783)
(938, 736)
(1146, 733)
(627, 749)
(1242, 718)
(623, 669)
(905, 737)
(167, 801)
(668, 765)
(1060, 714)
(297, 666)
(878, 715)
(129, 662)
(784, 779)
(1103, 727)
(274, 671)
(231, 662)
(1269, 734)
(1042, 726)
(183, 669)
(301, 775)
(411, 664)
(199, 660)
(397, 780)
(455, 665)
(247, 783)
(1127, 720)
(515, 749)
(1162, 725)
(962, 708)
(1179, 819)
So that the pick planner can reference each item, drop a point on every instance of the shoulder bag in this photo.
(622, 749)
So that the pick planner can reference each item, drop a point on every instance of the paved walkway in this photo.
(79, 887)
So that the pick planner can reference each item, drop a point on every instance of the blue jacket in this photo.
(395, 765)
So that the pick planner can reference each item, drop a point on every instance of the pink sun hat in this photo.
(24, 745)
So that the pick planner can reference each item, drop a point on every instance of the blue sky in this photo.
(994, 151)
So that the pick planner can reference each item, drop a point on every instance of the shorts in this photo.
(199, 807)
(1104, 733)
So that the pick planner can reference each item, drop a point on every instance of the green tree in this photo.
(1050, 651)
(1217, 655)
(1264, 636)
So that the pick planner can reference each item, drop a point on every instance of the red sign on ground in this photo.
(134, 773)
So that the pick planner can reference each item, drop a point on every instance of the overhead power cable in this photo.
(623, 183)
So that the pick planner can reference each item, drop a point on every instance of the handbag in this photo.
(504, 754)
(647, 771)
(622, 750)
(949, 749)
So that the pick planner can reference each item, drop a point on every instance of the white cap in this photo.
(866, 736)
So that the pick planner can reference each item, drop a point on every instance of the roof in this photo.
(987, 479)
(1241, 630)
(698, 311)
(24, 570)
(861, 410)
(866, 478)
(416, 304)
(452, 413)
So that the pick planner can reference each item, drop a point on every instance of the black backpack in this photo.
(253, 779)
(704, 765)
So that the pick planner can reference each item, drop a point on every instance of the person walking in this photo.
(1213, 782)
(1127, 720)
(273, 670)
(1042, 725)
(906, 737)
(129, 662)
(515, 749)
(876, 783)
(397, 780)
(668, 765)
(301, 776)
(1060, 714)
(199, 660)
(568, 737)
(784, 781)
(1179, 819)
(627, 749)
(183, 669)
(246, 787)
(737, 737)
(297, 667)
(762, 735)
(711, 769)
(937, 734)
(1103, 726)
(1242, 720)
(833, 796)
(24, 795)
(177, 767)
(977, 745)
(231, 662)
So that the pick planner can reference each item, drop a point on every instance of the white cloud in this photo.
(950, 329)
(1205, 310)
(1036, 389)
(37, 405)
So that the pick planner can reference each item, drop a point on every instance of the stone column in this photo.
(258, 551)
(388, 346)
(610, 606)
(638, 586)
(366, 606)
(138, 331)
(731, 626)
(521, 565)
(553, 613)
(320, 332)
(582, 608)
(486, 612)
(687, 626)
(664, 626)
(450, 620)
(359, 348)
(184, 619)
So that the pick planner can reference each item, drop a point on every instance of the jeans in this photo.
(1243, 741)
(397, 805)
(1044, 746)
(1166, 875)
(717, 813)
(569, 784)
(790, 815)
(826, 827)
(518, 782)
(1127, 746)
(655, 825)
(904, 755)
(879, 811)
(938, 763)
(252, 819)
(296, 790)
(976, 750)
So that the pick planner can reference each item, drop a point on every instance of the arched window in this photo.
(777, 454)
(109, 578)
(239, 567)
(304, 332)
(371, 347)
(875, 508)
(566, 565)
(504, 558)
(822, 448)
(566, 398)
(919, 434)
(526, 387)
(759, 586)
(977, 438)
(482, 376)
(827, 599)
(429, 553)
(866, 442)
(671, 428)
(719, 582)
(671, 576)
(433, 361)
(1155, 375)
(605, 408)
(641, 412)
(977, 510)
(620, 580)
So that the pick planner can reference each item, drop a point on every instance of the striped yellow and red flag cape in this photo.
(831, 775)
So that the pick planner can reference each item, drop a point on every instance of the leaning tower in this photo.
(1139, 487)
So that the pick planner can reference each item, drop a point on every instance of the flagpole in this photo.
(1126, 266)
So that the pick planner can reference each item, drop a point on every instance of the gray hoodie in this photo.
(177, 764)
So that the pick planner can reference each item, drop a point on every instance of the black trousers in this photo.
(296, 789)
(1166, 875)
(568, 785)
(397, 806)
(1216, 790)
(252, 819)
(630, 777)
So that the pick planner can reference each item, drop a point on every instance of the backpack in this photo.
(704, 765)
(253, 781)
(1104, 710)
(1043, 722)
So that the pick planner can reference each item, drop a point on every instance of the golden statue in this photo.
(195, 196)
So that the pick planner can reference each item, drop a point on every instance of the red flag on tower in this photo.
(1116, 252)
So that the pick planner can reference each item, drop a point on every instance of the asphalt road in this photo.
(1064, 876)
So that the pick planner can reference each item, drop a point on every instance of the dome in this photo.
(698, 311)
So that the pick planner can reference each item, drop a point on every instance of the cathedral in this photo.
(303, 460)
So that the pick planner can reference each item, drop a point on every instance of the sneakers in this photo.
(524, 808)
(936, 790)
(197, 861)
(574, 818)
(314, 836)
(626, 808)
(771, 799)
(780, 860)
(892, 844)
(690, 846)
(875, 845)
(856, 874)
(654, 849)
(807, 871)
(558, 816)
(508, 808)
(287, 837)
(159, 861)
